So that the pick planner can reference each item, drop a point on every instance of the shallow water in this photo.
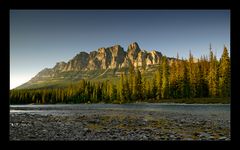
(202, 109)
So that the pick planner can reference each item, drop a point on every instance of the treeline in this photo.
(174, 79)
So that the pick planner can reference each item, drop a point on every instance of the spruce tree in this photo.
(212, 76)
(138, 85)
(154, 88)
(225, 74)
(192, 76)
(165, 78)
(173, 79)
(185, 81)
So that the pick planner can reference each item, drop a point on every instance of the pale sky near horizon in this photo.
(40, 38)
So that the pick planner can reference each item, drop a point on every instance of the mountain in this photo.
(104, 63)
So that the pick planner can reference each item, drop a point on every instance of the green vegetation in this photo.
(184, 81)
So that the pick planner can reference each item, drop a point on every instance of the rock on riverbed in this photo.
(117, 125)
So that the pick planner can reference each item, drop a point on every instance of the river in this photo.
(201, 109)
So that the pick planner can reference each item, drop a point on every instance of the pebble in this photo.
(144, 137)
(132, 128)
(211, 137)
(114, 137)
(222, 138)
(202, 134)
(86, 130)
(187, 139)
(145, 120)
(182, 120)
(196, 134)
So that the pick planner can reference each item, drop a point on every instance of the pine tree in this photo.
(113, 92)
(185, 81)
(173, 79)
(199, 80)
(154, 88)
(138, 85)
(179, 78)
(127, 90)
(225, 74)
(122, 90)
(148, 90)
(159, 81)
(131, 80)
(165, 78)
(205, 65)
(192, 76)
(144, 89)
(212, 77)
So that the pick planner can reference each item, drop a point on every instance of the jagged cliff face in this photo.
(112, 57)
(104, 58)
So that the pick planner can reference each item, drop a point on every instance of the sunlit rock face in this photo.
(79, 62)
(153, 58)
(113, 57)
(117, 56)
(60, 66)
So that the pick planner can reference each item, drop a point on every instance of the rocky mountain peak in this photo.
(101, 50)
(116, 46)
(134, 47)
(60, 65)
(113, 57)
(132, 52)
(116, 49)
(88, 65)
(79, 62)
(93, 54)
(117, 56)
(81, 54)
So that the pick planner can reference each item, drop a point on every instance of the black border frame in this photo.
(5, 6)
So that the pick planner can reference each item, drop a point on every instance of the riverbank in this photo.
(110, 124)
(198, 100)
(208, 100)
(226, 100)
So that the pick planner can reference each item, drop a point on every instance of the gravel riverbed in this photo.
(118, 125)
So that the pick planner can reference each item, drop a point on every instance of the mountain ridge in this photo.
(83, 64)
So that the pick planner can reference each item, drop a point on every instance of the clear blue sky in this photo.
(40, 38)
